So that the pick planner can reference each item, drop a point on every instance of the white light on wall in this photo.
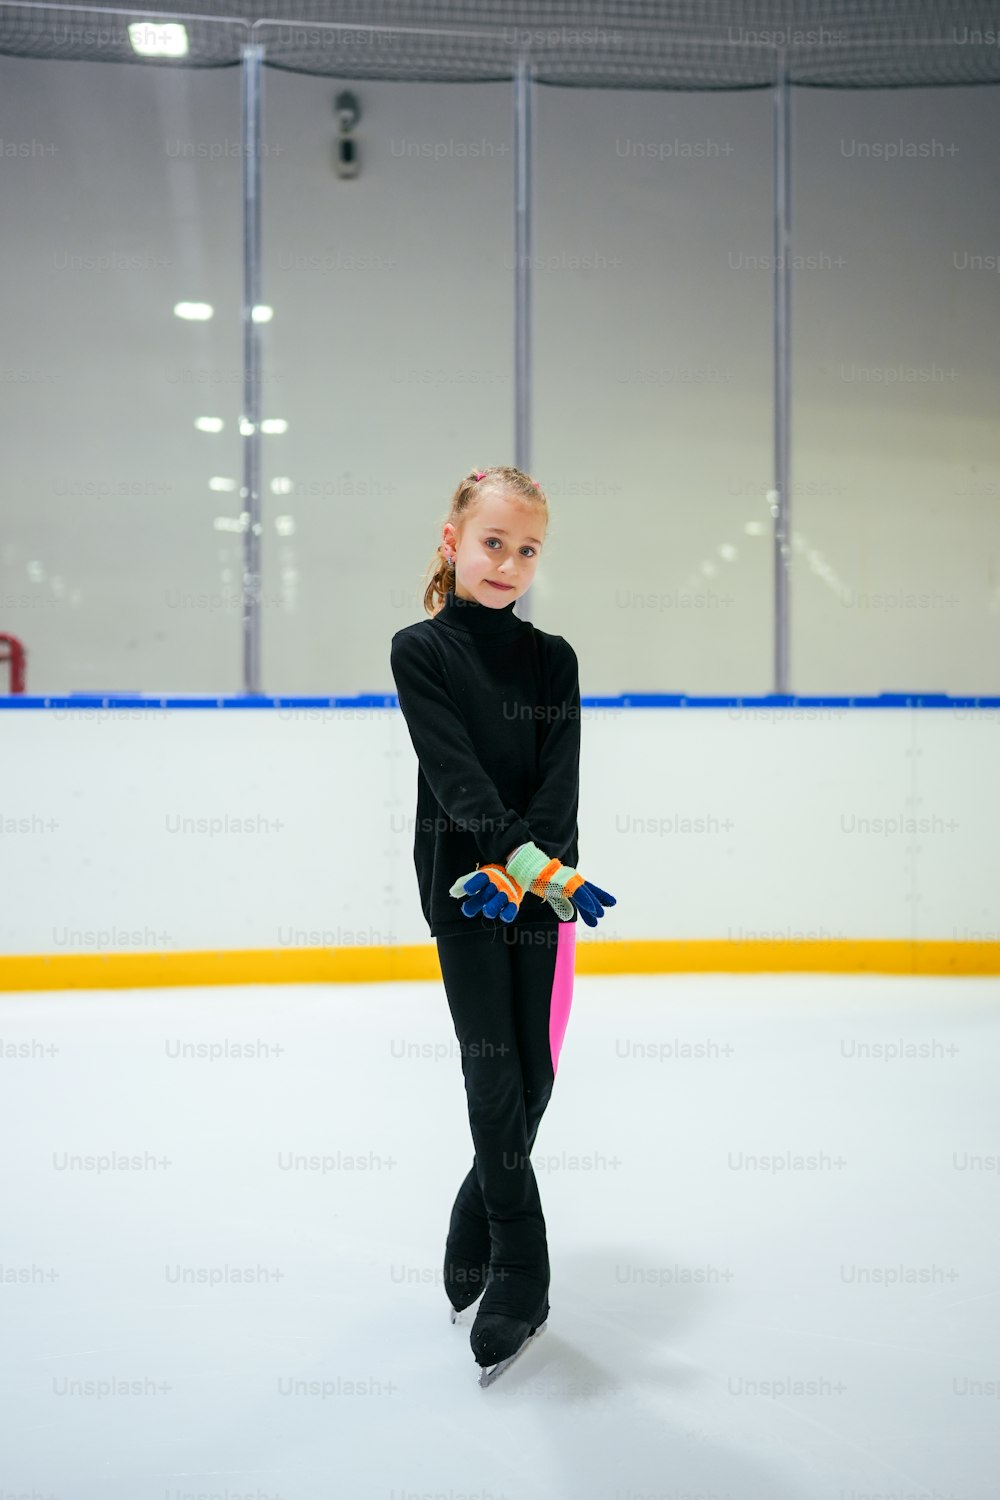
(195, 312)
(270, 425)
(262, 313)
(208, 424)
(219, 482)
(727, 550)
(227, 523)
(282, 486)
(754, 528)
(166, 40)
(284, 525)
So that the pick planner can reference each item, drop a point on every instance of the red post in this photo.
(15, 656)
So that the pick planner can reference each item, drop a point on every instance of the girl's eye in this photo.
(497, 539)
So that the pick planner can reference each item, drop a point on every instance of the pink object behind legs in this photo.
(562, 990)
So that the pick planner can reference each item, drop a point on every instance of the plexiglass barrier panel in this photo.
(653, 393)
(120, 558)
(390, 353)
(895, 463)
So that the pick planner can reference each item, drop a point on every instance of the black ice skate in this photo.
(466, 1256)
(497, 1339)
(464, 1281)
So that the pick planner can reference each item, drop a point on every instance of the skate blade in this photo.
(489, 1373)
(464, 1315)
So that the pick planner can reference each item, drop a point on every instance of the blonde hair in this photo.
(509, 481)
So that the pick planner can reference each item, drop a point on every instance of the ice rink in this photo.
(774, 1248)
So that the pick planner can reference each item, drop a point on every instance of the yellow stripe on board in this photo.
(108, 971)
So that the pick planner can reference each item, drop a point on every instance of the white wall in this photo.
(91, 801)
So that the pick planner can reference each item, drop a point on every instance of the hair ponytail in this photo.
(511, 482)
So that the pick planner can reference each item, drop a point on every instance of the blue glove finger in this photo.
(588, 899)
(587, 903)
(487, 898)
(498, 905)
(491, 900)
(481, 889)
(604, 897)
(492, 903)
(586, 906)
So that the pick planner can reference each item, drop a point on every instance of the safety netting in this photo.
(626, 44)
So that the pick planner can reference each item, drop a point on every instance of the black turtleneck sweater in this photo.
(492, 706)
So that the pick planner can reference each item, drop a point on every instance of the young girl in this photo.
(492, 706)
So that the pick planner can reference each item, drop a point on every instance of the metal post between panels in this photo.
(523, 234)
(250, 419)
(782, 311)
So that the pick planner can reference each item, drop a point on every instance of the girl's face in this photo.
(497, 551)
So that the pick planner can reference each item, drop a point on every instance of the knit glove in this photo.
(560, 885)
(490, 890)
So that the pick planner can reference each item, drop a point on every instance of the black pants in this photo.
(509, 991)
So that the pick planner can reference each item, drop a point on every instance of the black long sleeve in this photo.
(447, 756)
(552, 812)
(491, 705)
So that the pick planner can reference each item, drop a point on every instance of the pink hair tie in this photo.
(480, 473)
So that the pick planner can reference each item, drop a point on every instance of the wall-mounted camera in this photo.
(348, 112)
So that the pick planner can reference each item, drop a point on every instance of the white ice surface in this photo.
(637, 1388)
